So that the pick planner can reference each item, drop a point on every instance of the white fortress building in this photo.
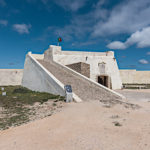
(101, 67)
(92, 75)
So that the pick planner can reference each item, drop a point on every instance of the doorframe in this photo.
(109, 84)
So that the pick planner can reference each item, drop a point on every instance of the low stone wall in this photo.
(135, 77)
(10, 77)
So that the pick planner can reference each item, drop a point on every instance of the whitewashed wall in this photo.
(10, 77)
(133, 76)
(37, 56)
(37, 78)
(92, 58)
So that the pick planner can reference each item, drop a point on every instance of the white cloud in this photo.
(116, 45)
(128, 17)
(4, 22)
(140, 38)
(76, 29)
(148, 53)
(22, 28)
(72, 5)
(2, 3)
(143, 61)
(81, 25)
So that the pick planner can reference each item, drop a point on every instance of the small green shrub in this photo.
(21, 90)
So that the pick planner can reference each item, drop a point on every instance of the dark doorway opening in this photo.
(104, 80)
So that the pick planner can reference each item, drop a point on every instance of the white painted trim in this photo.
(75, 97)
(118, 94)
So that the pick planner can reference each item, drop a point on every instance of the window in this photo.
(86, 58)
(102, 67)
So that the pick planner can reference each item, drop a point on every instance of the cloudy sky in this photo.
(88, 25)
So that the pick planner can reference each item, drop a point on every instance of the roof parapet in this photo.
(110, 53)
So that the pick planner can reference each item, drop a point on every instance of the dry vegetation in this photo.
(22, 105)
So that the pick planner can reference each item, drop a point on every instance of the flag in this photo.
(59, 39)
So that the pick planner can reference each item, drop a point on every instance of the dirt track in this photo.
(83, 126)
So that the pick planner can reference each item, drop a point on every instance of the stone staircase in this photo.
(83, 88)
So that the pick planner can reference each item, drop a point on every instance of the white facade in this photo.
(101, 63)
(37, 78)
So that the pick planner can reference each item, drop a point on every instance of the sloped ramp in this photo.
(82, 86)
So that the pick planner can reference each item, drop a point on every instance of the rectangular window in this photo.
(102, 68)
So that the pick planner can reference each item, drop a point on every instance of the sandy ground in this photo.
(136, 95)
(84, 126)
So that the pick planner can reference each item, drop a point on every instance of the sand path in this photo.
(83, 126)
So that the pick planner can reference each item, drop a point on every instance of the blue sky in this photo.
(88, 25)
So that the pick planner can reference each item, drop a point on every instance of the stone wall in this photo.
(81, 67)
(133, 76)
(10, 77)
